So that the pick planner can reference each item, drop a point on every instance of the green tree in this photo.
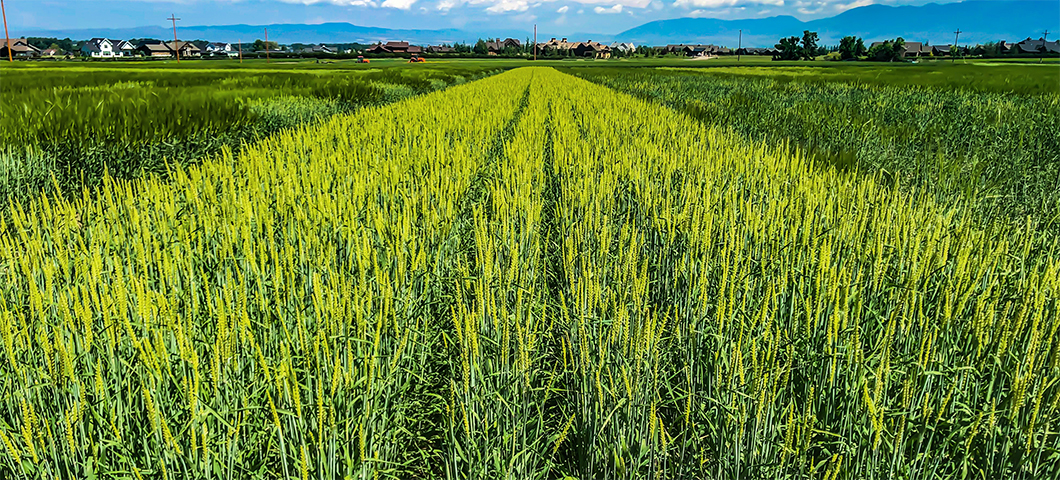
(809, 45)
(888, 51)
(260, 45)
(789, 49)
(898, 49)
(481, 48)
(851, 48)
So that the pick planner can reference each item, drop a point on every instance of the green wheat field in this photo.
(566, 270)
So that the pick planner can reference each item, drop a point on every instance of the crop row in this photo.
(529, 276)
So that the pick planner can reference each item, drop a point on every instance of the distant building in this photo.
(394, 47)
(578, 49)
(441, 49)
(1036, 46)
(154, 49)
(592, 49)
(185, 49)
(623, 47)
(756, 51)
(696, 50)
(318, 49)
(499, 46)
(940, 50)
(19, 48)
(98, 48)
(221, 49)
(122, 48)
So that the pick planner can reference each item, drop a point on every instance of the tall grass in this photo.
(530, 276)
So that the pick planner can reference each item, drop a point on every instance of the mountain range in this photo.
(978, 20)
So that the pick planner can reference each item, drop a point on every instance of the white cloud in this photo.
(614, 9)
(399, 4)
(718, 4)
(446, 5)
(341, 3)
(503, 6)
(563, 9)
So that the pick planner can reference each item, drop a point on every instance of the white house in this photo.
(221, 48)
(98, 48)
(624, 47)
(122, 48)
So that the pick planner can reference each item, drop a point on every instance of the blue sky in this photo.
(552, 16)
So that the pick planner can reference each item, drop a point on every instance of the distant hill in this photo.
(979, 21)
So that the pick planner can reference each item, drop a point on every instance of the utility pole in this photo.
(535, 42)
(740, 47)
(7, 38)
(1045, 38)
(955, 49)
(267, 46)
(176, 46)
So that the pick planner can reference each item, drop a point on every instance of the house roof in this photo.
(1030, 45)
(183, 46)
(915, 47)
(96, 44)
(19, 45)
(155, 47)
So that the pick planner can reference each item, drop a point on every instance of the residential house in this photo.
(625, 48)
(499, 46)
(696, 50)
(592, 49)
(221, 49)
(1040, 45)
(555, 46)
(441, 49)
(122, 48)
(19, 48)
(185, 49)
(940, 50)
(579, 49)
(51, 53)
(916, 49)
(318, 49)
(756, 51)
(98, 48)
(394, 47)
(154, 49)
